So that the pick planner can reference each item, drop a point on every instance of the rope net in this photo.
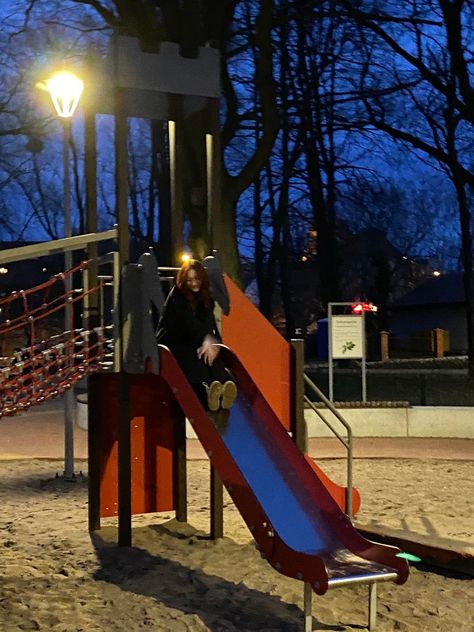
(41, 356)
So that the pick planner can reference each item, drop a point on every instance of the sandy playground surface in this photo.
(54, 576)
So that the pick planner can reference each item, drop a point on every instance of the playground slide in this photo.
(243, 325)
(297, 525)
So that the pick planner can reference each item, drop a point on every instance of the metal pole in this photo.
(116, 315)
(176, 184)
(372, 606)
(330, 364)
(308, 607)
(69, 394)
(210, 189)
(364, 367)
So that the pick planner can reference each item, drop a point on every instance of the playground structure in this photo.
(293, 511)
(43, 351)
(295, 514)
(300, 520)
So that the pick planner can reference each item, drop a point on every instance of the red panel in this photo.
(108, 442)
(261, 349)
(151, 439)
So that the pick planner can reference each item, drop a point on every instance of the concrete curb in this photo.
(417, 421)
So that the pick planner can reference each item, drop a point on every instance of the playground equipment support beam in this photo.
(93, 466)
(176, 183)
(213, 173)
(217, 506)
(45, 248)
(179, 474)
(121, 187)
(298, 423)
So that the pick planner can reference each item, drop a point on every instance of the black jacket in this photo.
(182, 328)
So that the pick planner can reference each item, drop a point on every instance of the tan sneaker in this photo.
(229, 393)
(214, 392)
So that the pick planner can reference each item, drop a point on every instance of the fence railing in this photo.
(432, 343)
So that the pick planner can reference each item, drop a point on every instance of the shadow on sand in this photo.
(219, 603)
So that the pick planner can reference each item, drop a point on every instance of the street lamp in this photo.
(65, 90)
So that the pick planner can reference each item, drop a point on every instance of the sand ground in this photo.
(54, 576)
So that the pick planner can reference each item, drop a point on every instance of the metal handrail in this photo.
(346, 443)
(43, 249)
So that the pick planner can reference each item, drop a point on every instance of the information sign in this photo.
(347, 337)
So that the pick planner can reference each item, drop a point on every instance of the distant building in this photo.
(439, 302)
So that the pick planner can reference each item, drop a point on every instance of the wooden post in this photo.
(121, 188)
(124, 464)
(384, 337)
(439, 346)
(93, 452)
(298, 423)
(179, 465)
(213, 197)
(217, 506)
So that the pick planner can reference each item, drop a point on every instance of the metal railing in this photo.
(346, 442)
(43, 249)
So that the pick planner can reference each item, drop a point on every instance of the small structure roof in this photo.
(445, 289)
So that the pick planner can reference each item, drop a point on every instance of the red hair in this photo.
(204, 293)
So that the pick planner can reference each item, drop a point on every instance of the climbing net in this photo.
(41, 356)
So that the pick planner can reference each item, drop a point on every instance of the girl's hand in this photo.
(209, 350)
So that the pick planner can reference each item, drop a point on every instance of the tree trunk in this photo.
(467, 259)
(226, 237)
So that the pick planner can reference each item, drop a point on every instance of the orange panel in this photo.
(261, 349)
(336, 491)
(151, 444)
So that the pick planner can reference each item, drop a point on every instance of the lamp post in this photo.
(65, 90)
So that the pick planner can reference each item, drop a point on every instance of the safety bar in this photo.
(346, 443)
(350, 580)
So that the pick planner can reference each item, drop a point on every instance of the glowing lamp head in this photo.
(185, 258)
(65, 90)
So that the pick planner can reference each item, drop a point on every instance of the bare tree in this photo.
(430, 71)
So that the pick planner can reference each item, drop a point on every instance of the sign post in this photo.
(346, 335)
